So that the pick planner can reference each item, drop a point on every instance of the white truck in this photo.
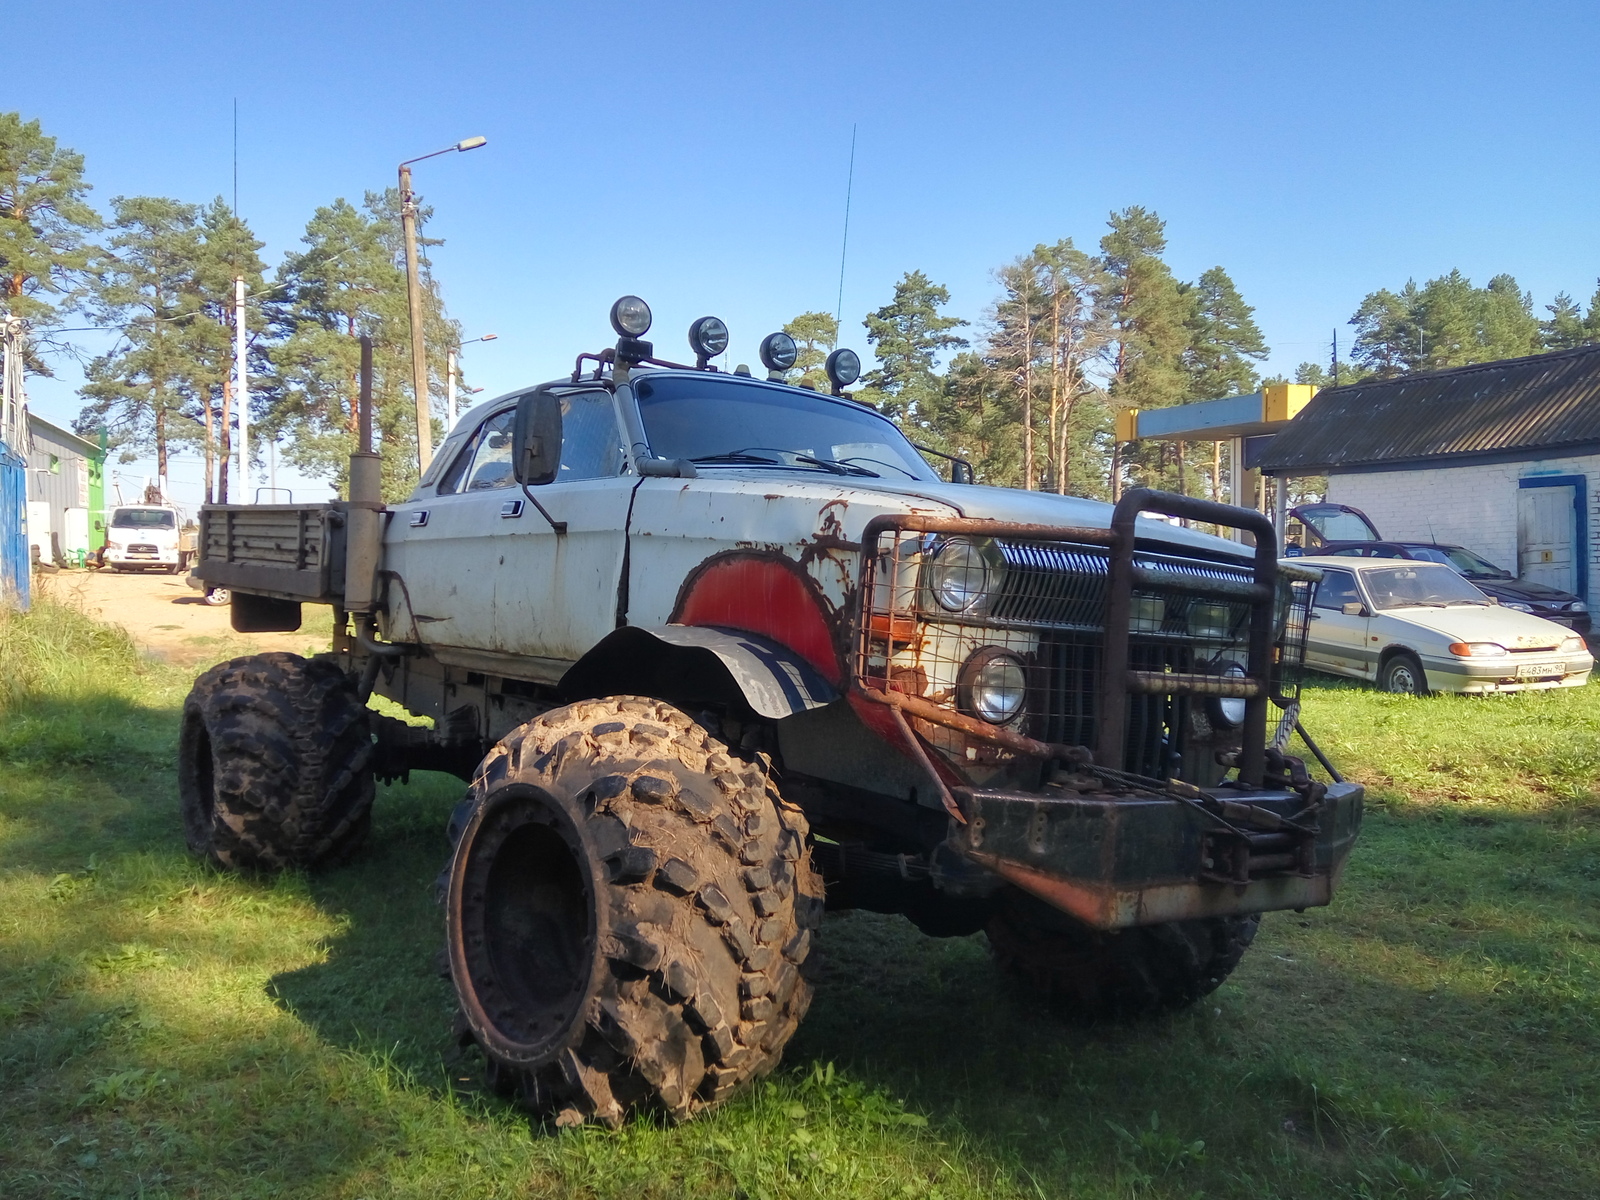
(143, 537)
(714, 653)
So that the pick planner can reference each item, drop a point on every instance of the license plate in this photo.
(1537, 670)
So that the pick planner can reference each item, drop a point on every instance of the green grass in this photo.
(169, 1031)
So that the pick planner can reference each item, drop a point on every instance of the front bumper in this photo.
(140, 558)
(1132, 859)
(1507, 674)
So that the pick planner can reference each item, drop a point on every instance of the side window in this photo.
(491, 457)
(591, 447)
(1337, 589)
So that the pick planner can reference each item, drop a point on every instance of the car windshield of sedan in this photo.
(1462, 559)
(722, 421)
(1419, 585)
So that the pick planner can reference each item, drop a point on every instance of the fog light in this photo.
(993, 685)
(708, 337)
(843, 368)
(778, 353)
(630, 317)
(1228, 711)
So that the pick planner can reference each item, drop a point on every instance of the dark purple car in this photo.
(1342, 530)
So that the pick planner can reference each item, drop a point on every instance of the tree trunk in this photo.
(1051, 454)
(1027, 395)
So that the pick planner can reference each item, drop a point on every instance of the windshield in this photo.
(1462, 559)
(1419, 584)
(1337, 525)
(144, 518)
(726, 421)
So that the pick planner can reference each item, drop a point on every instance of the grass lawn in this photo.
(169, 1031)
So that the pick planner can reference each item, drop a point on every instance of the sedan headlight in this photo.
(1577, 606)
(1516, 606)
(993, 685)
(1477, 649)
(1573, 645)
(960, 576)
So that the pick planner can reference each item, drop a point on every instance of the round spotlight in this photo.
(708, 337)
(1227, 712)
(843, 368)
(630, 317)
(993, 685)
(778, 352)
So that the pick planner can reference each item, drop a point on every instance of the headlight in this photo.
(1146, 614)
(993, 685)
(1573, 645)
(1516, 606)
(778, 352)
(960, 575)
(1228, 711)
(1477, 649)
(1577, 606)
(708, 337)
(1210, 621)
(843, 368)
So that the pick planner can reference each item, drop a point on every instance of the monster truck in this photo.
(715, 652)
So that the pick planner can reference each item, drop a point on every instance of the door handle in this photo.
(419, 518)
(511, 508)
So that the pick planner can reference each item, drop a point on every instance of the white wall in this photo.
(1474, 506)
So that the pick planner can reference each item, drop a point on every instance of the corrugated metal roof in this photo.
(1545, 401)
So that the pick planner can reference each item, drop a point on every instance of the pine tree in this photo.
(1565, 329)
(1149, 315)
(1078, 328)
(815, 334)
(1388, 333)
(1015, 352)
(907, 335)
(45, 222)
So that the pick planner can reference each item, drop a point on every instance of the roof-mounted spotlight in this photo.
(630, 317)
(843, 368)
(778, 353)
(708, 337)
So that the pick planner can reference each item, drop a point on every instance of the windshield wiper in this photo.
(745, 456)
(838, 468)
(736, 457)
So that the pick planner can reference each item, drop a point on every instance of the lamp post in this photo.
(450, 375)
(419, 352)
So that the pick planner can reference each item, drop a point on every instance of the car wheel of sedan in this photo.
(1403, 675)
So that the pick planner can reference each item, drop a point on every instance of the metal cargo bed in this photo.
(287, 551)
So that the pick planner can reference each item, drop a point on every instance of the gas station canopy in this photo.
(1263, 412)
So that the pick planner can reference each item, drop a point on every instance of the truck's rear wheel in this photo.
(274, 764)
(1126, 972)
(628, 910)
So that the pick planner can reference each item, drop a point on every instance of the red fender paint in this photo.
(767, 595)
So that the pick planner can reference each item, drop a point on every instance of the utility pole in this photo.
(242, 370)
(419, 350)
(450, 392)
(1335, 371)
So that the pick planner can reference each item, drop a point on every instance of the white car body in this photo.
(143, 535)
(1510, 651)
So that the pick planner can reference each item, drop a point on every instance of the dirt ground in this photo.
(169, 619)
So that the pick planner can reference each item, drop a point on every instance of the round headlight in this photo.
(993, 685)
(843, 367)
(778, 352)
(1210, 621)
(708, 337)
(960, 575)
(1228, 711)
(630, 317)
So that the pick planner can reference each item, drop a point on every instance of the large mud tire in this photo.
(1091, 974)
(274, 764)
(628, 911)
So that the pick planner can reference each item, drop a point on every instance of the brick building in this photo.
(1500, 457)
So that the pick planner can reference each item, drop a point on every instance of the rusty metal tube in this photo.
(1177, 683)
(364, 518)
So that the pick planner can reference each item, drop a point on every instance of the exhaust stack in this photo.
(363, 516)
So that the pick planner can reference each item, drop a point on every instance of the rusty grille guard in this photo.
(1120, 676)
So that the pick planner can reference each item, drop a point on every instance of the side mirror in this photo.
(536, 439)
(1354, 609)
(961, 471)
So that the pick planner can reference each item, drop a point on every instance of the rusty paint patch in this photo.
(769, 594)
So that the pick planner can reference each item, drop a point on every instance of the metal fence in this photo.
(13, 528)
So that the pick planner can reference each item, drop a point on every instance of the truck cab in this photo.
(144, 537)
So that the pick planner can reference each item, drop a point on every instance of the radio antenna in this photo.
(850, 182)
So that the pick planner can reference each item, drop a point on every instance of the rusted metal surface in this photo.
(1543, 401)
(1172, 682)
(1128, 858)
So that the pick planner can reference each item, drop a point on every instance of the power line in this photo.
(838, 315)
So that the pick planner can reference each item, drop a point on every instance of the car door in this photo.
(1335, 640)
(476, 565)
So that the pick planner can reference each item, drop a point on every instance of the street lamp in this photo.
(419, 353)
(450, 375)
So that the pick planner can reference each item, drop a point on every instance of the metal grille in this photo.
(976, 624)
(1294, 601)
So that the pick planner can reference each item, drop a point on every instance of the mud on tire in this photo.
(628, 912)
(274, 764)
(1091, 974)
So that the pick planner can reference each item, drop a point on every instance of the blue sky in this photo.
(696, 153)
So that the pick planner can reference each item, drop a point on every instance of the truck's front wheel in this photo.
(628, 910)
(274, 763)
(1120, 973)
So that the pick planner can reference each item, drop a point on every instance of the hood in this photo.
(1484, 623)
(1011, 506)
(1525, 590)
